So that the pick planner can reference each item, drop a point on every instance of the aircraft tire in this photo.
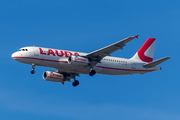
(33, 71)
(92, 72)
(75, 83)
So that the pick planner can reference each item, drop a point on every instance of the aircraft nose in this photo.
(14, 55)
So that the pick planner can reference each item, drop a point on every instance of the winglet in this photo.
(136, 36)
(62, 83)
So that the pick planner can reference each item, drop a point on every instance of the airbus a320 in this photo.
(70, 64)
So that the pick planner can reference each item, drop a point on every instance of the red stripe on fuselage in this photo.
(41, 59)
(123, 69)
(76, 61)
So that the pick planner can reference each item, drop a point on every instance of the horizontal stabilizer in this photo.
(156, 62)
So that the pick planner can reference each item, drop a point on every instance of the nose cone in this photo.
(14, 55)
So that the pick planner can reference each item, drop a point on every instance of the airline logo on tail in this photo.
(146, 52)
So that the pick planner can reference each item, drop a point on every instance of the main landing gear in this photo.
(33, 67)
(92, 72)
(75, 82)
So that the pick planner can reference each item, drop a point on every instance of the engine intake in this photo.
(77, 60)
(53, 76)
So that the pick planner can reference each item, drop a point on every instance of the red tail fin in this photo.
(146, 52)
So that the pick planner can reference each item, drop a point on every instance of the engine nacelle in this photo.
(53, 76)
(77, 60)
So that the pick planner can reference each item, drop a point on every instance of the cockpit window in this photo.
(23, 50)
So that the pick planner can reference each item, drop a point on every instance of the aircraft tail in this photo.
(146, 52)
(155, 63)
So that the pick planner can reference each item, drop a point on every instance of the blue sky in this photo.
(85, 26)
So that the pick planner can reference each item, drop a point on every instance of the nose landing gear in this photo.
(33, 67)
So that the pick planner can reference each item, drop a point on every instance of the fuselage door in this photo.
(133, 66)
(36, 51)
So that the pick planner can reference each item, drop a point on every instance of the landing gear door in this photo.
(36, 51)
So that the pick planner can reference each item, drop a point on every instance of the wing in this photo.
(106, 51)
(96, 56)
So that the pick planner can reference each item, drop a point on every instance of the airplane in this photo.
(70, 64)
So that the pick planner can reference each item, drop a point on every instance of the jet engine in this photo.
(53, 76)
(77, 60)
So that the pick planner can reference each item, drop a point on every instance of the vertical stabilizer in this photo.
(146, 52)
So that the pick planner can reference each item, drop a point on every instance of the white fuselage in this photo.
(58, 59)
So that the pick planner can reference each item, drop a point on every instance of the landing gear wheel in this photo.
(33, 67)
(33, 71)
(75, 83)
(92, 72)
